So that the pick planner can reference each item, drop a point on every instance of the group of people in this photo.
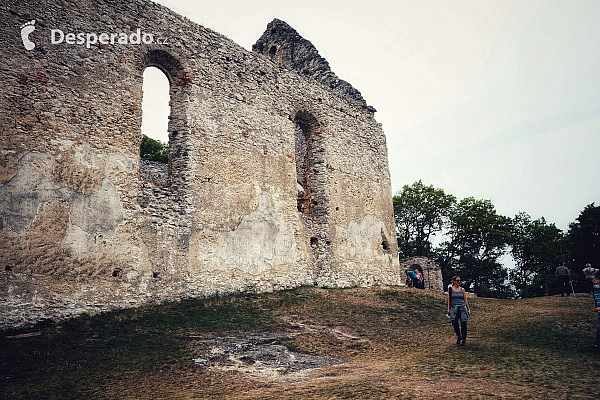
(458, 310)
(593, 285)
(563, 275)
(414, 278)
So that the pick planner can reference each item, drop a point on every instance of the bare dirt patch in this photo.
(260, 355)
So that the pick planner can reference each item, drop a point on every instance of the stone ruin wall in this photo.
(432, 274)
(275, 179)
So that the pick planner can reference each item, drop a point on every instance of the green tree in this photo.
(537, 248)
(154, 150)
(419, 212)
(584, 235)
(476, 239)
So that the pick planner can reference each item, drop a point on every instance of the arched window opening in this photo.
(273, 50)
(417, 267)
(180, 82)
(155, 116)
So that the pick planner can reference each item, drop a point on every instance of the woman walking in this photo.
(458, 308)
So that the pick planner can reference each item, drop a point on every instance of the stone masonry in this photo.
(277, 177)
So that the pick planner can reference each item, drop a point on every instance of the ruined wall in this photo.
(432, 274)
(283, 45)
(274, 179)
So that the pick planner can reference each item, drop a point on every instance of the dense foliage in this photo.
(154, 150)
(584, 236)
(420, 212)
(475, 239)
(537, 248)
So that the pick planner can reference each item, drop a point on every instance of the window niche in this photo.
(310, 172)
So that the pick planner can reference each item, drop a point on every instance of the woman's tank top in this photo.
(457, 297)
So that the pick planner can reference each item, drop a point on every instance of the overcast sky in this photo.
(497, 99)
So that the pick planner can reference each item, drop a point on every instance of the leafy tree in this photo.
(154, 150)
(537, 248)
(584, 235)
(477, 238)
(420, 212)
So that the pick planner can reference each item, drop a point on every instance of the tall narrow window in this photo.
(313, 199)
(155, 116)
(310, 167)
(303, 142)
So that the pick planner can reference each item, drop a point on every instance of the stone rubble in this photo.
(260, 355)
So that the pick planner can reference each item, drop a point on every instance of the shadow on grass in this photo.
(81, 353)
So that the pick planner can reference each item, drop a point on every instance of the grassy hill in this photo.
(370, 343)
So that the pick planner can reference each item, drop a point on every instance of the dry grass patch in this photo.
(394, 343)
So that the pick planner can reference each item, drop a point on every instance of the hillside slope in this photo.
(311, 343)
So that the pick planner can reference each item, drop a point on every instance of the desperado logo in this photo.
(57, 36)
(26, 29)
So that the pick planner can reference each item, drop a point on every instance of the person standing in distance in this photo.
(590, 275)
(564, 276)
(458, 308)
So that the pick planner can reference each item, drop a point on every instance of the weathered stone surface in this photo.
(258, 354)
(277, 176)
(282, 44)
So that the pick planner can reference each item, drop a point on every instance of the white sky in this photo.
(492, 99)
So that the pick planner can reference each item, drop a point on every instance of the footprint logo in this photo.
(26, 29)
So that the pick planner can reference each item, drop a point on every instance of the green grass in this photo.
(533, 348)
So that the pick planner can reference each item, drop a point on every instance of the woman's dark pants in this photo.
(463, 326)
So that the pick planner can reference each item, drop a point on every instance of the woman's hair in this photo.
(454, 277)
